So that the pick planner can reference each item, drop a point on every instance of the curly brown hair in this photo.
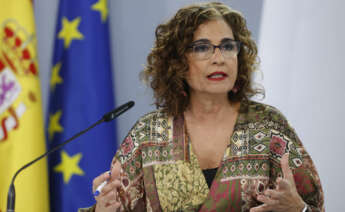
(167, 65)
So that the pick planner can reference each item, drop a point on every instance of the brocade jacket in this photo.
(160, 172)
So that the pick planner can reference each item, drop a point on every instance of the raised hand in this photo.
(107, 200)
(284, 198)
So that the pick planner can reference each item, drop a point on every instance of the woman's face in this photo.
(217, 74)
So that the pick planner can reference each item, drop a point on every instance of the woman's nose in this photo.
(217, 55)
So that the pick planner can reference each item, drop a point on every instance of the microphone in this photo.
(118, 111)
(106, 118)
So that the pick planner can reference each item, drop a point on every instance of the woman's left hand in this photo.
(284, 198)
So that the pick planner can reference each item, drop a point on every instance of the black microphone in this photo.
(118, 111)
(106, 118)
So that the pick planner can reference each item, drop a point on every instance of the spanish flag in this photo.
(21, 123)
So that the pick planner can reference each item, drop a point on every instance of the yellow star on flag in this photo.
(69, 31)
(101, 6)
(69, 166)
(54, 125)
(55, 78)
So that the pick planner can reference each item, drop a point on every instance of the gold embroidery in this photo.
(181, 186)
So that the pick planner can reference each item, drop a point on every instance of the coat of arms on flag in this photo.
(17, 62)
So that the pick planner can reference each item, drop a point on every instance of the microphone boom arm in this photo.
(106, 118)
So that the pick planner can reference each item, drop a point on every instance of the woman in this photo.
(208, 147)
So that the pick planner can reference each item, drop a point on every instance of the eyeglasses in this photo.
(203, 50)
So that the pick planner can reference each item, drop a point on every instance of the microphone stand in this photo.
(106, 118)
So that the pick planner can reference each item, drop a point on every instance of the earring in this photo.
(235, 89)
(184, 93)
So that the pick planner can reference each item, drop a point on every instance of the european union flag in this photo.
(81, 92)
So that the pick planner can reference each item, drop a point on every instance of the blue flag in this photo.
(81, 92)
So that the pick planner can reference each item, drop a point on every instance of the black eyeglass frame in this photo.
(238, 44)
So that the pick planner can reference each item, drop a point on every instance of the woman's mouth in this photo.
(217, 76)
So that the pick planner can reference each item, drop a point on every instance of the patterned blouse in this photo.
(160, 172)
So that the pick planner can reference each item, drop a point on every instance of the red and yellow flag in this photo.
(21, 120)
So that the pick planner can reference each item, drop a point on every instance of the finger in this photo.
(100, 179)
(112, 202)
(111, 186)
(273, 194)
(106, 200)
(112, 198)
(284, 184)
(267, 200)
(284, 162)
(261, 208)
(114, 205)
(115, 170)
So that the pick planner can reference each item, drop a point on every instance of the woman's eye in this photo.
(228, 46)
(201, 48)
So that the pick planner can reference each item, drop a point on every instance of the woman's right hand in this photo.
(108, 199)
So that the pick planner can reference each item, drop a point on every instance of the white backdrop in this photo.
(302, 47)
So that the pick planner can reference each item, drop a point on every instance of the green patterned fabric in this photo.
(160, 172)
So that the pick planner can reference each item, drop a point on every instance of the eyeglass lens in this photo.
(228, 48)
